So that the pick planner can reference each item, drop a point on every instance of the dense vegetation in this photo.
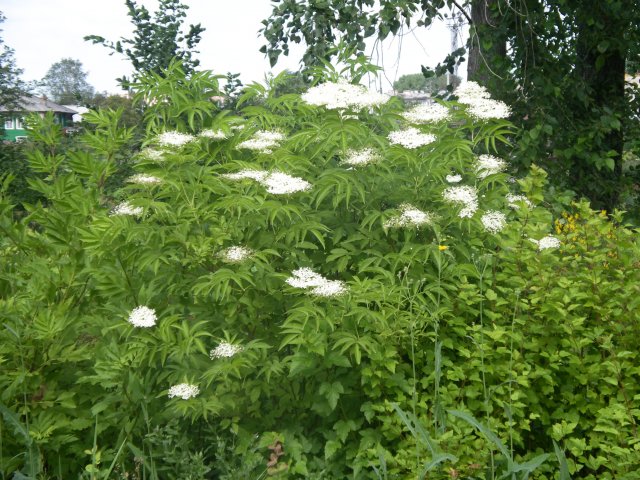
(310, 289)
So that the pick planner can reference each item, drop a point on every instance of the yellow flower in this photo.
(442, 248)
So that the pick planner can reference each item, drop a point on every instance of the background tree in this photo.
(418, 82)
(156, 41)
(563, 72)
(66, 83)
(11, 86)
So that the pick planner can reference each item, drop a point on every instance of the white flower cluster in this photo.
(464, 195)
(480, 105)
(257, 175)
(546, 242)
(277, 183)
(143, 179)
(410, 217)
(262, 141)
(515, 200)
(493, 221)
(427, 113)
(184, 391)
(213, 134)
(174, 139)
(342, 95)
(489, 165)
(235, 254)
(361, 157)
(142, 317)
(410, 138)
(152, 154)
(125, 208)
(318, 285)
(225, 350)
(453, 178)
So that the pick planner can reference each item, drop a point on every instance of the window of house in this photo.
(19, 121)
(8, 123)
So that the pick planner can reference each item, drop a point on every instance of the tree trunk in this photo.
(484, 17)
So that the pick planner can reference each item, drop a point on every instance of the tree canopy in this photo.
(11, 85)
(560, 64)
(418, 82)
(67, 83)
(156, 40)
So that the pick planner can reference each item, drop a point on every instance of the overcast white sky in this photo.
(42, 32)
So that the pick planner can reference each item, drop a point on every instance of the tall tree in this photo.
(562, 72)
(156, 41)
(11, 86)
(67, 83)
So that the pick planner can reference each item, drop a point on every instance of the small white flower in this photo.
(361, 157)
(471, 91)
(143, 179)
(410, 217)
(494, 221)
(236, 254)
(546, 242)
(152, 154)
(410, 138)
(263, 141)
(125, 208)
(184, 391)
(281, 184)
(318, 285)
(257, 175)
(515, 200)
(453, 178)
(342, 95)
(463, 195)
(427, 113)
(142, 317)
(489, 165)
(214, 134)
(225, 350)
(174, 139)
(480, 105)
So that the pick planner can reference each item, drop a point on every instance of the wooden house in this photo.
(13, 119)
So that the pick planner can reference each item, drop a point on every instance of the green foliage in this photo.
(156, 41)
(11, 86)
(452, 350)
(67, 84)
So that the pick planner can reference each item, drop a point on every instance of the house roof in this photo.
(37, 104)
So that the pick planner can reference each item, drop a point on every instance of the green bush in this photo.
(438, 331)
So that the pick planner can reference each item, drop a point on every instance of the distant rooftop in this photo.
(38, 104)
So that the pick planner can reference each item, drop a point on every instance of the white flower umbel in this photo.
(489, 165)
(236, 254)
(213, 134)
(174, 139)
(263, 141)
(464, 195)
(225, 350)
(282, 184)
(125, 208)
(257, 175)
(143, 179)
(547, 242)
(494, 221)
(184, 391)
(343, 95)
(410, 138)
(427, 113)
(142, 317)
(315, 283)
(514, 201)
(360, 157)
(486, 109)
(453, 178)
(410, 217)
(480, 104)
(152, 154)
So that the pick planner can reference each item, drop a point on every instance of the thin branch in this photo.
(463, 11)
